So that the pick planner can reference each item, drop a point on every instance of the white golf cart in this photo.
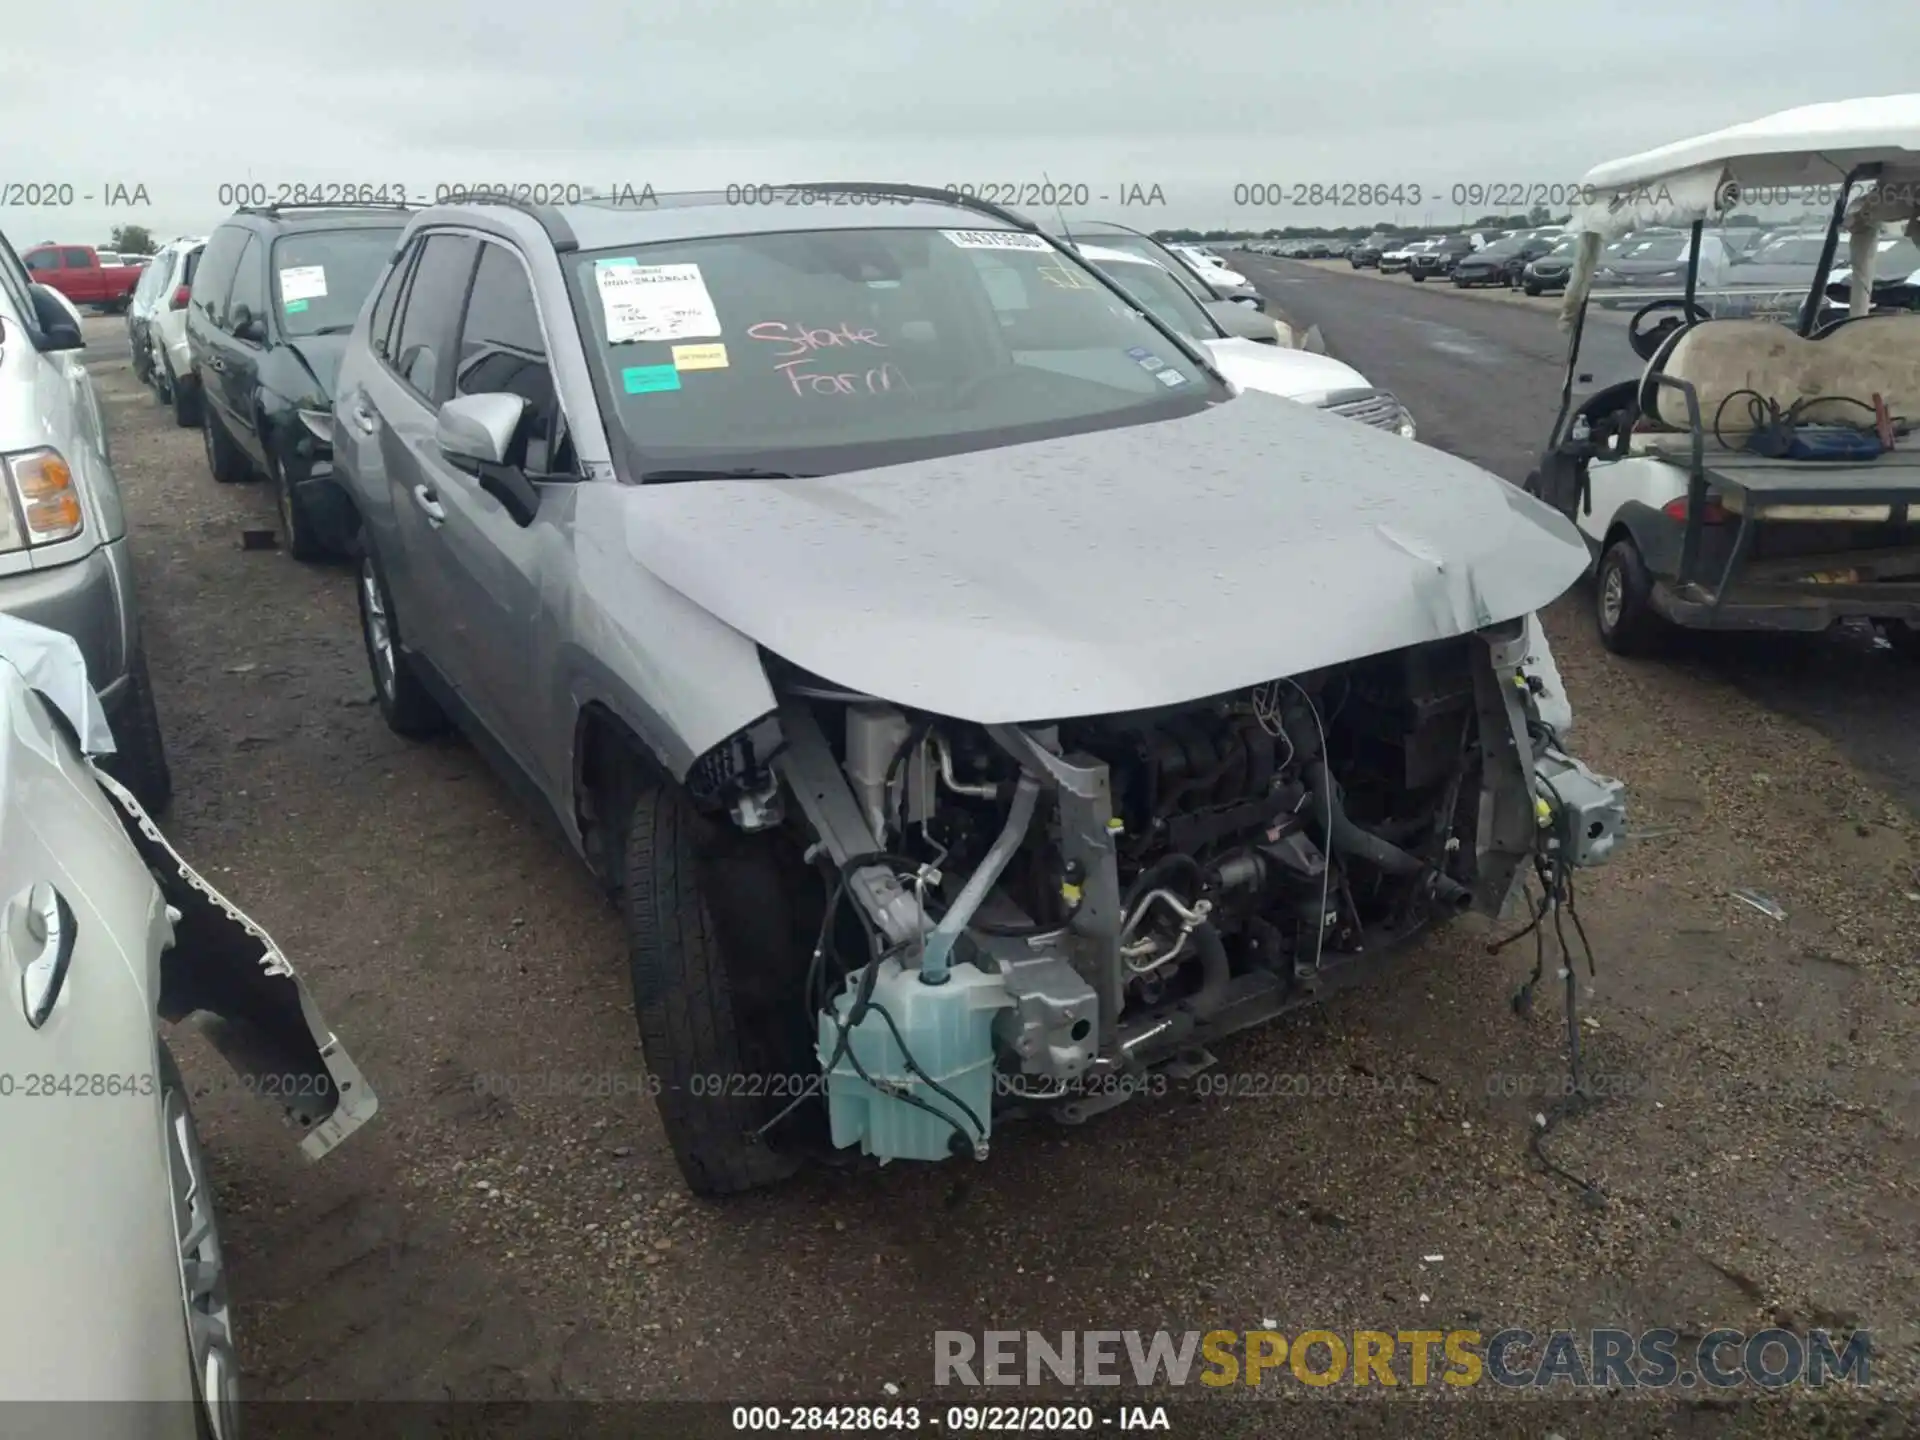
(1757, 474)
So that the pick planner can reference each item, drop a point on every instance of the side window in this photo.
(501, 351)
(76, 258)
(43, 260)
(249, 284)
(215, 275)
(428, 323)
(379, 328)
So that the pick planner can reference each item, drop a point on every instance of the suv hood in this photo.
(1117, 570)
(321, 354)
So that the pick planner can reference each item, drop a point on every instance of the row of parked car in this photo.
(104, 931)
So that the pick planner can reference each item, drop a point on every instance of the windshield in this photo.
(1658, 247)
(815, 351)
(320, 277)
(1163, 295)
(1151, 249)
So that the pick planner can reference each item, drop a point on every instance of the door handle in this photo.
(40, 929)
(361, 418)
(424, 497)
(216, 362)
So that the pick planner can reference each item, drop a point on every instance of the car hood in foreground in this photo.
(1117, 570)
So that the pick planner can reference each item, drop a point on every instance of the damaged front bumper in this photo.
(227, 972)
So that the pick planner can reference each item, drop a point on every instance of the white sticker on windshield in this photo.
(303, 282)
(654, 302)
(1169, 377)
(995, 240)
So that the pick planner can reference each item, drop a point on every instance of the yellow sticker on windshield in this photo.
(699, 357)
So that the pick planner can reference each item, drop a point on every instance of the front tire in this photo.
(224, 459)
(1531, 288)
(296, 525)
(718, 945)
(208, 1314)
(1623, 602)
(1419, 279)
(139, 759)
(405, 703)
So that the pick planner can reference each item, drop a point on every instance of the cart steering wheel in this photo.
(1646, 341)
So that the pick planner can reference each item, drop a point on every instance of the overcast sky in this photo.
(1194, 96)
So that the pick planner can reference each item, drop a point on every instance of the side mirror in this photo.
(1241, 321)
(245, 325)
(479, 429)
(476, 433)
(57, 321)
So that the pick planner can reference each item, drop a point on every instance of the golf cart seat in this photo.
(1877, 354)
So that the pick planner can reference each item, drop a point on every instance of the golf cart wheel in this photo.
(139, 759)
(1623, 602)
(718, 946)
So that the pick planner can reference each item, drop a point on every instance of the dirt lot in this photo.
(1759, 1158)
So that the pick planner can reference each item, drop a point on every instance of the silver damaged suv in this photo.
(971, 702)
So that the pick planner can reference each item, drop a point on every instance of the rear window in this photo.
(818, 351)
(321, 277)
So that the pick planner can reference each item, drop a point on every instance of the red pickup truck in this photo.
(76, 272)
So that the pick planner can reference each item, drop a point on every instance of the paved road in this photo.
(1483, 377)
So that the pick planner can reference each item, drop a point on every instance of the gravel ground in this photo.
(1756, 1157)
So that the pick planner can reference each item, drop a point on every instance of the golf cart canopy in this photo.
(1701, 180)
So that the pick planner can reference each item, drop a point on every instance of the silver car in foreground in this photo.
(64, 559)
(972, 702)
(116, 1285)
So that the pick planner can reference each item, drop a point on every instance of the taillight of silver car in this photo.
(42, 502)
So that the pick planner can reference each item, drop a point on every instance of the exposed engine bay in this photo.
(1047, 909)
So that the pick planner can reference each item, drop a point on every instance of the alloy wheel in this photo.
(379, 626)
(1613, 597)
(203, 1271)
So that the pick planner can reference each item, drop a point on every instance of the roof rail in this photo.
(547, 216)
(275, 209)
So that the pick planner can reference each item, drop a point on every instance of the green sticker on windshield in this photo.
(294, 307)
(644, 379)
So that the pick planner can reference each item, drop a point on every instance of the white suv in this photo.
(157, 327)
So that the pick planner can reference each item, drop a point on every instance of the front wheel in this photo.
(1531, 288)
(224, 459)
(296, 525)
(1623, 602)
(405, 703)
(1419, 279)
(718, 942)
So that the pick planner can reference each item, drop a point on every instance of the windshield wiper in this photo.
(345, 329)
(667, 477)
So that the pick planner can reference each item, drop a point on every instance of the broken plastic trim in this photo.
(259, 1015)
(737, 761)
